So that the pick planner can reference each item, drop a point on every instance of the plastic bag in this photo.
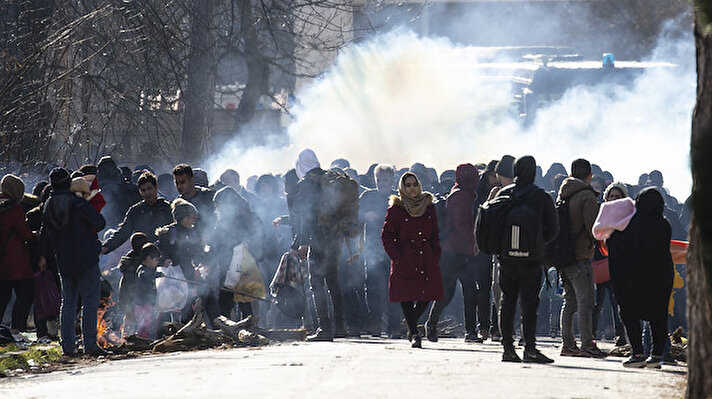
(243, 276)
(235, 269)
(171, 294)
(47, 296)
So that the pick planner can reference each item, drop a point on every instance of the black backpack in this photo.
(510, 227)
(561, 251)
(522, 236)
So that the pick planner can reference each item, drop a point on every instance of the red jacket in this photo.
(15, 265)
(460, 231)
(414, 248)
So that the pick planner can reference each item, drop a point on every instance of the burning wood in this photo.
(105, 335)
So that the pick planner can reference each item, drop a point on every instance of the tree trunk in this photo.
(699, 263)
(257, 69)
(200, 90)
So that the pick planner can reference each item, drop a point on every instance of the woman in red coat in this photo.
(410, 237)
(15, 269)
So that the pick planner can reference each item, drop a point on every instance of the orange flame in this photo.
(105, 336)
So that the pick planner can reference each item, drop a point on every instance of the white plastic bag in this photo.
(235, 270)
(172, 294)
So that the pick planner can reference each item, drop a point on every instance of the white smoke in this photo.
(400, 99)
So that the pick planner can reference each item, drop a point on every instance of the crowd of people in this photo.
(348, 254)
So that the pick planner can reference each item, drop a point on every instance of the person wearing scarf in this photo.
(411, 239)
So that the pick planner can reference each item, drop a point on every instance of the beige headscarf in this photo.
(414, 206)
(12, 187)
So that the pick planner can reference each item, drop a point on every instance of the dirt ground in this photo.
(351, 368)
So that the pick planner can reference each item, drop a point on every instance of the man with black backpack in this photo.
(515, 225)
(326, 212)
(577, 274)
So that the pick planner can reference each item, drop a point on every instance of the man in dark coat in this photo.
(458, 247)
(522, 279)
(69, 234)
(372, 210)
(145, 217)
(322, 246)
(642, 275)
(200, 197)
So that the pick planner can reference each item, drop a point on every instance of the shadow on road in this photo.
(623, 370)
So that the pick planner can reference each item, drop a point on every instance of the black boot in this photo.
(417, 341)
(510, 355)
(431, 332)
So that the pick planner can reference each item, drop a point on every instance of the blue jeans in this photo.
(87, 287)
(578, 298)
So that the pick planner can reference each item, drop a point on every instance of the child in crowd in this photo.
(145, 302)
(128, 285)
(87, 187)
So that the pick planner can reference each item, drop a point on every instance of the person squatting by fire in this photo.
(341, 252)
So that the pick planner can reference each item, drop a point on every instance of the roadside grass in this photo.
(13, 358)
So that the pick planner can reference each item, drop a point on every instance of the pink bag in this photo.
(47, 296)
(601, 272)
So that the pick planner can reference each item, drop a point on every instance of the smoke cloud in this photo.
(400, 98)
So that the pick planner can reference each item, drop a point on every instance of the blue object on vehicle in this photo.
(608, 60)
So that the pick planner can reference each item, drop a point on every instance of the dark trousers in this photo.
(226, 302)
(324, 280)
(24, 296)
(483, 290)
(377, 270)
(601, 291)
(351, 280)
(519, 281)
(635, 333)
(412, 312)
(456, 267)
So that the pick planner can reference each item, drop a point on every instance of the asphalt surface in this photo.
(353, 368)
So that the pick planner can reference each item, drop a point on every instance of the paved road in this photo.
(355, 368)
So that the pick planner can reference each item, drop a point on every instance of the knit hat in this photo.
(12, 187)
(505, 167)
(182, 209)
(59, 179)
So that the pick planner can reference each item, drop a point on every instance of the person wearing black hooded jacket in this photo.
(69, 234)
(522, 279)
(642, 275)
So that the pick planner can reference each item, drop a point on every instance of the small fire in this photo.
(105, 335)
